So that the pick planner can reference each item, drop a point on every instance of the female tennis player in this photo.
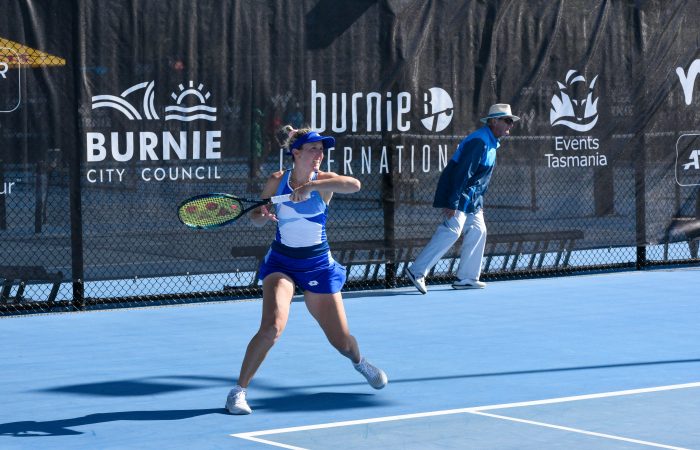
(300, 256)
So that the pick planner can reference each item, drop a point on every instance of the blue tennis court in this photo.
(605, 361)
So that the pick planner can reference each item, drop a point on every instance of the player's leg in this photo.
(444, 237)
(329, 312)
(278, 290)
(469, 269)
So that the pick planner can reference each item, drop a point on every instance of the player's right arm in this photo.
(262, 214)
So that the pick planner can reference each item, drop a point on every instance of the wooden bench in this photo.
(24, 275)
(371, 255)
(561, 243)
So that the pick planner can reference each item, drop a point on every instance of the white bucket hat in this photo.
(499, 111)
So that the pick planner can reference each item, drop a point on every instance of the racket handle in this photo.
(280, 198)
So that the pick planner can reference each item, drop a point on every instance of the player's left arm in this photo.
(328, 183)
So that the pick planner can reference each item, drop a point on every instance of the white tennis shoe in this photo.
(236, 402)
(419, 283)
(468, 284)
(375, 376)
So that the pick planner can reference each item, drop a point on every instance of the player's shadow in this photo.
(323, 401)
(142, 386)
(63, 427)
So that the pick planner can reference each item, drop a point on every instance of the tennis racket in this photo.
(216, 210)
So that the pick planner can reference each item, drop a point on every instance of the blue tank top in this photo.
(301, 227)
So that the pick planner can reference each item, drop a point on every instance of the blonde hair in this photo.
(293, 134)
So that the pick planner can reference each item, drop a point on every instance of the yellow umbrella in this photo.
(15, 55)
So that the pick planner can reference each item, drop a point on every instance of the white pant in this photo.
(445, 236)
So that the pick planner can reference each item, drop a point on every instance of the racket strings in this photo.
(210, 211)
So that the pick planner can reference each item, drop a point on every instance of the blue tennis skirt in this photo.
(319, 274)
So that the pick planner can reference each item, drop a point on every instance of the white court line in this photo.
(273, 443)
(252, 435)
(577, 430)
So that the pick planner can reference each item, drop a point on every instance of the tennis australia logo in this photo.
(694, 161)
(688, 160)
(118, 147)
(575, 107)
(687, 80)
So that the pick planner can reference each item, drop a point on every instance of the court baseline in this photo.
(479, 410)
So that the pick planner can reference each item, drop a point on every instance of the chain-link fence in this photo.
(110, 117)
(69, 246)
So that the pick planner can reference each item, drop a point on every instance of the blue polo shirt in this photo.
(465, 179)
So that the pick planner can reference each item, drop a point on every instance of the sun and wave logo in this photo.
(192, 112)
(190, 103)
(575, 107)
(437, 109)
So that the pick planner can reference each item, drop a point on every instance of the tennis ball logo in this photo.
(575, 107)
(437, 109)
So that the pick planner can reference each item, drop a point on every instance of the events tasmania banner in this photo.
(111, 112)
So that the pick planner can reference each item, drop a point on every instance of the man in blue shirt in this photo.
(460, 195)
